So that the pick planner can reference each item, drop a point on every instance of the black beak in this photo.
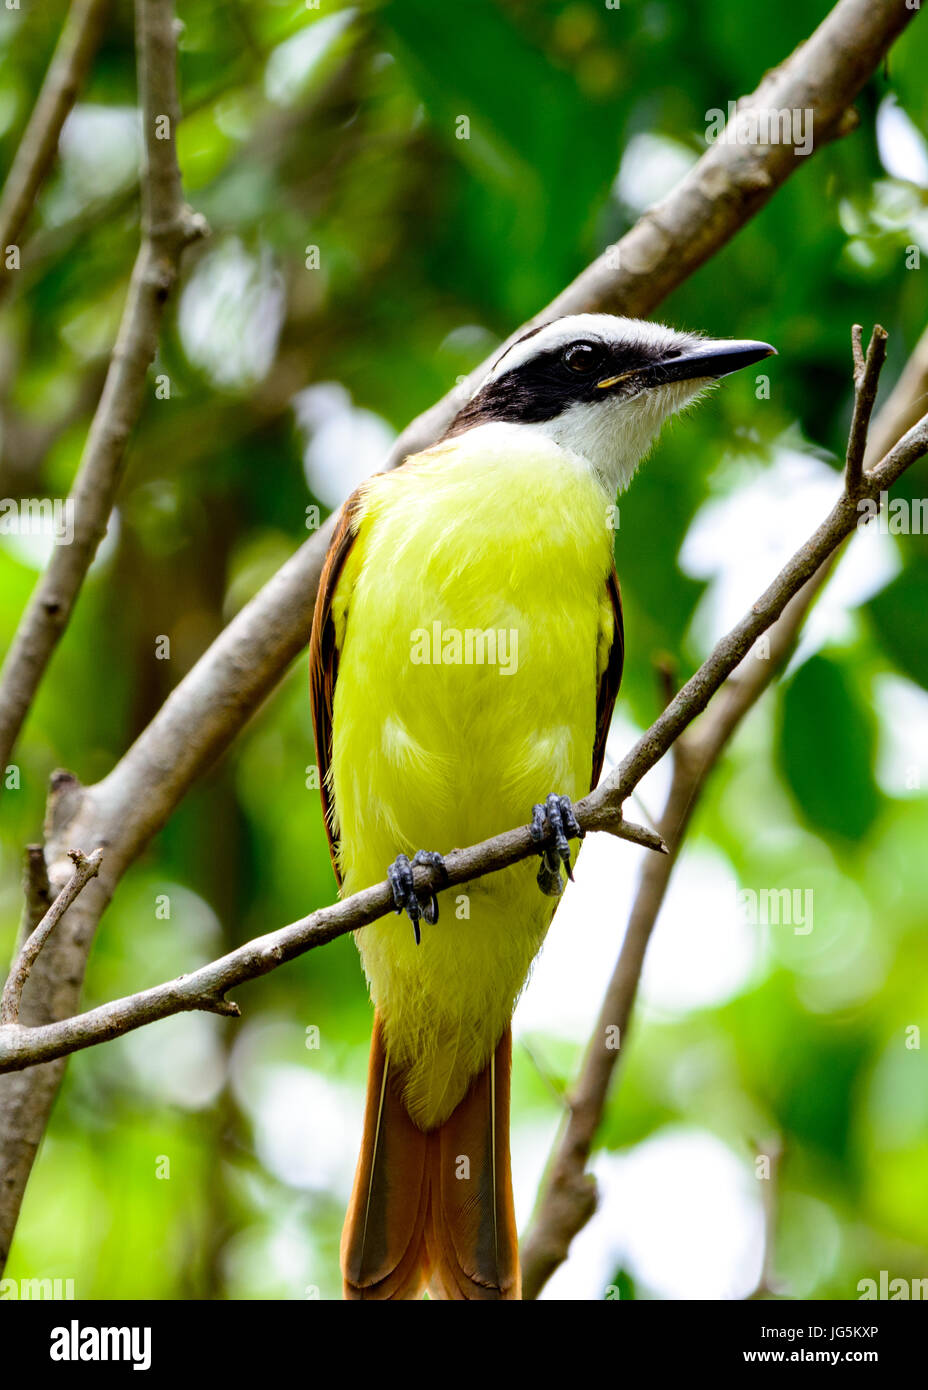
(712, 358)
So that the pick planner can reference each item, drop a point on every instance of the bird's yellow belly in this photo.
(434, 748)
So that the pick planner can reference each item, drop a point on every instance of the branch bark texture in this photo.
(168, 225)
(54, 981)
(69, 66)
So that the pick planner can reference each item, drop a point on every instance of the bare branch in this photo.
(866, 381)
(729, 184)
(213, 702)
(568, 1196)
(54, 986)
(86, 867)
(64, 79)
(602, 810)
(168, 225)
(37, 897)
(211, 705)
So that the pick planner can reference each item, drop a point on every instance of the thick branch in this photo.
(54, 985)
(723, 190)
(601, 810)
(64, 79)
(168, 226)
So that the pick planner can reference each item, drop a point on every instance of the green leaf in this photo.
(899, 614)
(826, 744)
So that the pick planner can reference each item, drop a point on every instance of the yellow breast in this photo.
(473, 625)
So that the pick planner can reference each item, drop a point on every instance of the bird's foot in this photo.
(555, 817)
(404, 894)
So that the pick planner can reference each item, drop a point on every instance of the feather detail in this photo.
(433, 1207)
(471, 1232)
(383, 1236)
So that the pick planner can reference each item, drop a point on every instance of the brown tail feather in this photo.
(433, 1207)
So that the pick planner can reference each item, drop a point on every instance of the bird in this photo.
(466, 654)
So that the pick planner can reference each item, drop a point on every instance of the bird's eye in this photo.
(582, 357)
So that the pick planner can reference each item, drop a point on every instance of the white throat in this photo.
(614, 436)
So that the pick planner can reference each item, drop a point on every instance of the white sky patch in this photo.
(35, 550)
(700, 954)
(301, 1120)
(530, 1144)
(651, 165)
(901, 146)
(230, 314)
(273, 1260)
(184, 1065)
(99, 152)
(681, 1212)
(740, 542)
(294, 63)
(344, 443)
(902, 759)
(566, 985)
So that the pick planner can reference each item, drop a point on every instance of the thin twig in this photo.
(64, 79)
(567, 1199)
(168, 226)
(866, 378)
(37, 893)
(86, 867)
(26, 1102)
(601, 810)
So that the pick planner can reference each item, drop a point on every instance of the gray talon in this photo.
(555, 817)
(405, 897)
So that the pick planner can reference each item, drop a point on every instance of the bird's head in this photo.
(602, 386)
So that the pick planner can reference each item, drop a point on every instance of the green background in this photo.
(337, 128)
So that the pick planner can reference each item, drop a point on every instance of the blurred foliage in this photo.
(207, 1158)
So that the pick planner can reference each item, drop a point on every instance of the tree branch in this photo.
(86, 867)
(213, 702)
(168, 225)
(211, 705)
(54, 985)
(206, 988)
(568, 1196)
(723, 190)
(866, 379)
(64, 79)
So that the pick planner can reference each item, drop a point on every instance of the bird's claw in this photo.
(405, 897)
(555, 817)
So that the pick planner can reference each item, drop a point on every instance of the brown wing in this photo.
(611, 679)
(323, 660)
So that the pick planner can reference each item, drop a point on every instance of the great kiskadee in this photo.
(466, 655)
